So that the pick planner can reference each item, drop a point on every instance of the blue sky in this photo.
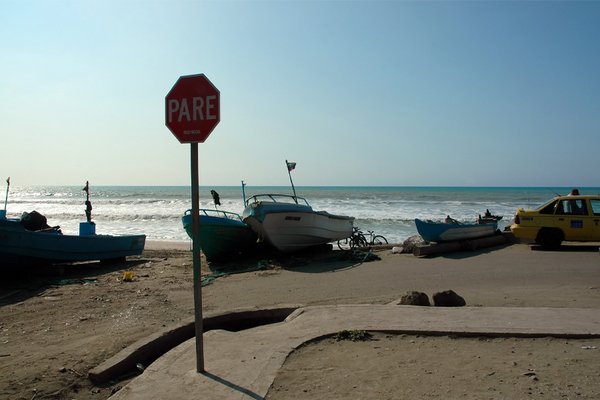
(357, 93)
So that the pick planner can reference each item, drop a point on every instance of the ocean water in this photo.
(156, 210)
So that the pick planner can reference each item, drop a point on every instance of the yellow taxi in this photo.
(573, 217)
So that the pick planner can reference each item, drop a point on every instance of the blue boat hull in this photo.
(20, 246)
(443, 232)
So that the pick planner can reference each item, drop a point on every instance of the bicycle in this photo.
(358, 239)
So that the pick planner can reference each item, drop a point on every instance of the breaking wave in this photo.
(157, 211)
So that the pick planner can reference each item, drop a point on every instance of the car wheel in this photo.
(550, 238)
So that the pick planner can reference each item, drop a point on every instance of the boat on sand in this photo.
(23, 241)
(453, 230)
(222, 234)
(290, 224)
(30, 240)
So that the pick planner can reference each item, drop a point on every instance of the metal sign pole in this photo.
(196, 259)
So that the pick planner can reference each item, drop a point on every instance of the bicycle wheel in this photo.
(359, 241)
(344, 244)
(379, 240)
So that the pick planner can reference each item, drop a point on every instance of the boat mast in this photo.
(290, 166)
(6, 198)
(244, 193)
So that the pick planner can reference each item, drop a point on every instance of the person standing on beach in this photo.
(88, 203)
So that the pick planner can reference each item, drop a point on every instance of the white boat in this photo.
(289, 223)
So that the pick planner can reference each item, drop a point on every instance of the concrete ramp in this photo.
(243, 365)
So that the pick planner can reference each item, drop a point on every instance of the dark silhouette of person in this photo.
(215, 197)
(88, 203)
(88, 210)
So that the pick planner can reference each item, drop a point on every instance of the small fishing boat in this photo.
(452, 230)
(289, 223)
(488, 217)
(21, 242)
(30, 240)
(222, 234)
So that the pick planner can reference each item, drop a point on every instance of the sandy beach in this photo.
(55, 327)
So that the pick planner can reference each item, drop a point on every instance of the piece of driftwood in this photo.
(484, 242)
(449, 247)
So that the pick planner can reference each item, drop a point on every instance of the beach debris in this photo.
(409, 244)
(363, 256)
(415, 299)
(588, 347)
(531, 374)
(128, 276)
(260, 266)
(448, 298)
(431, 249)
(84, 281)
(354, 335)
(208, 279)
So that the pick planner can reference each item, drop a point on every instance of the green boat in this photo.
(222, 234)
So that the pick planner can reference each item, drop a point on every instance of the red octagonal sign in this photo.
(192, 108)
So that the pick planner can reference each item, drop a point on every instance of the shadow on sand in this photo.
(569, 247)
(313, 260)
(22, 282)
(232, 385)
(464, 254)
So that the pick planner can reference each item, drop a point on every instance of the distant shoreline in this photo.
(435, 187)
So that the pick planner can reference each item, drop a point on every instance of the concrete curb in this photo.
(150, 348)
(244, 364)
